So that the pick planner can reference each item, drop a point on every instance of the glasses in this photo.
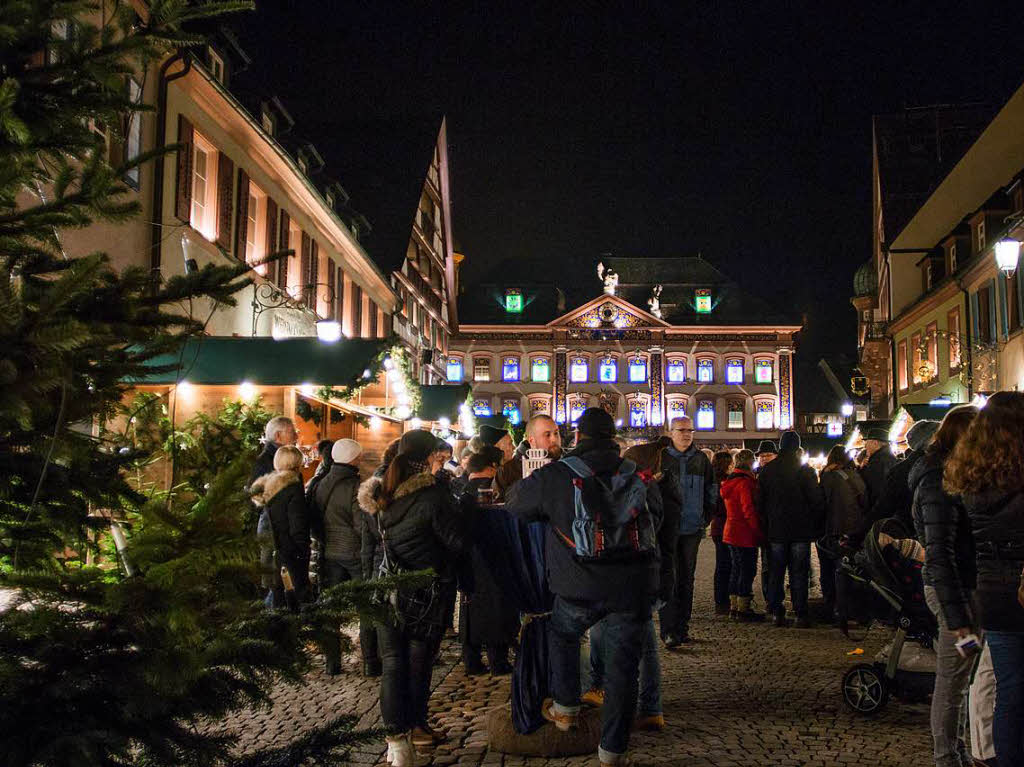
(684, 431)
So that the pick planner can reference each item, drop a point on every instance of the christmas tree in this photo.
(114, 661)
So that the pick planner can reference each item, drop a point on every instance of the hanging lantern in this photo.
(1007, 254)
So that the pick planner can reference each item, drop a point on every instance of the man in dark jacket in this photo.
(541, 434)
(896, 497)
(880, 462)
(339, 524)
(620, 592)
(793, 510)
(689, 495)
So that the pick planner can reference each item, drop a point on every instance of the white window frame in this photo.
(216, 65)
(133, 133)
(203, 209)
(729, 411)
(586, 359)
(477, 366)
(256, 228)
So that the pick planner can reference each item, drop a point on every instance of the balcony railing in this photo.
(875, 331)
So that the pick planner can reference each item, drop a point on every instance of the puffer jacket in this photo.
(844, 494)
(281, 496)
(740, 496)
(548, 495)
(424, 530)
(338, 521)
(997, 522)
(688, 488)
(792, 503)
(941, 523)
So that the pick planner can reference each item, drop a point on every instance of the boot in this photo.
(373, 668)
(733, 606)
(744, 612)
(401, 753)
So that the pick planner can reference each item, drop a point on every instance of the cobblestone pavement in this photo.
(740, 695)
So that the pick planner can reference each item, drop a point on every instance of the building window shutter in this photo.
(373, 320)
(992, 309)
(357, 311)
(225, 200)
(284, 244)
(385, 331)
(183, 200)
(314, 271)
(1002, 307)
(271, 227)
(304, 268)
(241, 229)
(330, 289)
(975, 326)
(339, 295)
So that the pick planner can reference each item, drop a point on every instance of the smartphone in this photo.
(968, 646)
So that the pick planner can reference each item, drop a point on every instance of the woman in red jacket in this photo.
(742, 534)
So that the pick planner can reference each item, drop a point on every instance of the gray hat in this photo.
(921, 434)
(767, 446)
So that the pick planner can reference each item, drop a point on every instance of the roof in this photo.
(919, 412)
(916, 148)
(680, 277)
(261, 360)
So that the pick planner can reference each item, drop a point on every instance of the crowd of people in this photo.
(623, 530)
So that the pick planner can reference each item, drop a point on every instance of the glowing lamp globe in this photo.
(846, 410)
(328, 331)
(1007, 254)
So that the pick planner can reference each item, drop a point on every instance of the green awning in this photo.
(442, 401)
(214, 360)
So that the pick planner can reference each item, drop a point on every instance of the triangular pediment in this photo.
(607, 311)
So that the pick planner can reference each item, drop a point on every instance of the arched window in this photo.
(765, 414)
(579, 370)
(510, 409)
(540, 406)
(705, 371)
(706, 415)
(676, 408)
(734, 371)
(454, 369)
(735, 414)
(481, 369)
(540, 370)
(608, 370)
(676, 371)
(638, 413)
(481, 407)
(763, 370)
(637, 369)
(576, 407)
(510, 369)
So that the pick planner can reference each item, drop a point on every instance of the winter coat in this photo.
(792, 503)
(844, 494)
(493, 619)
(740, 496)
(338, 521)
(997, 521)
(508, 474)
(280, 495)
(718, 514)
(647, 456)
(874, 473)
(688, 488)
(264, 463)
(897, 497)
(424, 530)
(547, 495)
(941, 523)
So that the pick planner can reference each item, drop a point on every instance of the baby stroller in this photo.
(897, 600)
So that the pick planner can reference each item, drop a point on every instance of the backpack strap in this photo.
(626, 468)
(577, 466)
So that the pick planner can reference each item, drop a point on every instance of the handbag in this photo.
(417, 610)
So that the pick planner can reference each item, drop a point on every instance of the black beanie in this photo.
(417, 444)
(491, 435)
(596, 423)
(790, 440)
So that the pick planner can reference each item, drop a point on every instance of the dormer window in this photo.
(702, 301)
(329, 199)
(514, 301)
(928, 275)
(981, 235)
(952, 258)
(216, 65)
(267, 121)
(303, 165)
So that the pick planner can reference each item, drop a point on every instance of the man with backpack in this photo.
(602, 564)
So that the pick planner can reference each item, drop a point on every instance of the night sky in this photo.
(738, 130)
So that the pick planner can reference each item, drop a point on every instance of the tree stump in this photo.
(547, 741)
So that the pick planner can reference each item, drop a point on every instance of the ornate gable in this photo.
(610, 313)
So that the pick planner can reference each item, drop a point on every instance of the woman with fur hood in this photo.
(281, 495)
(422, 530)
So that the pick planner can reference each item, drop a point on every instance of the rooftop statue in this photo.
(609, 277)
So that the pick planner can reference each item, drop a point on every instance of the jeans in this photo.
(981, 702)
(797, 558)
(405, 683)
(744, 568)
(952, 676)
(623, 638)
(650, 667)
(1008, 663)
(675, 616)
(723, 571)
(337, 571)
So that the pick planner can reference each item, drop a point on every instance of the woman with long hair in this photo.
(845, 494)
(941, 523)
(721, 464)
(413, 526)
(986, 469)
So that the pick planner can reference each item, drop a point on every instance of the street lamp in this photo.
(846, 410)
(1007, 254)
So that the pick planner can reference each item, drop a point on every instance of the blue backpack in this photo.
(618, 528)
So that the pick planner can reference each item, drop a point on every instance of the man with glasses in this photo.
(689, 494)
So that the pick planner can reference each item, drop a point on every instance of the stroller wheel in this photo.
(865, 689)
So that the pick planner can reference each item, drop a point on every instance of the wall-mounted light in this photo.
(307, 389)
(247, 391)
(328, 331)
(188, 253)
(846, 409)
(184, 389)
(403, 412)
(376, 423)
(1007, 255)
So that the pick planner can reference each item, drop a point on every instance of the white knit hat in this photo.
(346, 451)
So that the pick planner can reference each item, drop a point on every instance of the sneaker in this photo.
(672, 641)
(649, 723)
(593, 697)
(563, 722)
(424, 735)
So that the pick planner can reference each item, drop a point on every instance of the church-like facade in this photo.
(662, 337)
